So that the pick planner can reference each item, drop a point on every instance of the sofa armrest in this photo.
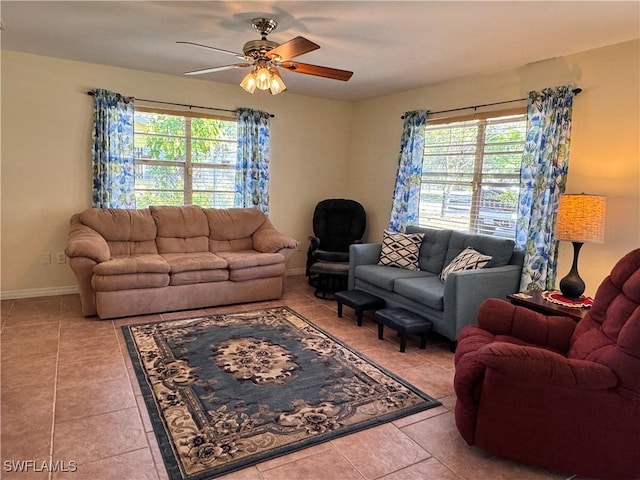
(84, 241)
(465, 290)
(82, 268)
(500, 317)
(269, 240)
(538, 365)
(362, 254)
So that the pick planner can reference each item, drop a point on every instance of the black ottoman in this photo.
(359, 301)
(403, 322)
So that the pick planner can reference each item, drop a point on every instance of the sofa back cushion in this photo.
(231, 229)
(181, 229)
(433, 249)
(500, 249)
(610, 332)
(127, 232)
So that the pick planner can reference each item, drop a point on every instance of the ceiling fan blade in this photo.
(293, 48)
(218, 69)
(317, 70)
(219, 50)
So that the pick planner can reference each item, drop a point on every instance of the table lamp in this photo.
(580, 219)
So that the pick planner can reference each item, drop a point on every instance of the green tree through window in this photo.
(183, 159)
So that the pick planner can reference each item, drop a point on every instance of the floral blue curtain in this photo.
(543, 177)
(113, 151)
(252, 166)
(406, 195)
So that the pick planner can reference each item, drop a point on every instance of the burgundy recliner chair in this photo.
(547, 391)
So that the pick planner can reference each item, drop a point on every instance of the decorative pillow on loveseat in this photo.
(468, 259)
(400, 250)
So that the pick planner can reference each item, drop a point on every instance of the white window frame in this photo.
(475, 209)
(187, 165)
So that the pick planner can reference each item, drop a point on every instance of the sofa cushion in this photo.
(400, 249)
(121, 224)
(189, 262)
(383, 276)
(199, 276)
(428, 290)
(231, 229)
(468, 259)
(252, 273)
(127, 232)
(181, 229)
(132, 248)
(133, 264)
(250, 258)
(217, 246)
(433, 250)
(129, 281)
(500, 249)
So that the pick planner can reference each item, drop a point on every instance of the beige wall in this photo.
(605, 150)
(46, 140)
(320, 149)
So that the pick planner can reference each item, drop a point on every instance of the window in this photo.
(184, 159)
(471, 174)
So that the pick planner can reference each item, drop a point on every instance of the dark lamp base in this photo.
(572, 285)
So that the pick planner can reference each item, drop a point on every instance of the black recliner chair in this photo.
(337, 223)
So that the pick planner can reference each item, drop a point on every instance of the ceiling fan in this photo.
(265, 57)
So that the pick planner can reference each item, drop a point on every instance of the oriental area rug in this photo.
(228, 391)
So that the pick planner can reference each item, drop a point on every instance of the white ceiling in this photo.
(391, 46)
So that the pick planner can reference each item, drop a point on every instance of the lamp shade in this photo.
(580, 218)
(263, 78)
(276, 85)
(249, 82)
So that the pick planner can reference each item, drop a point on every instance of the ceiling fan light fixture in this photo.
(249, 82)
(263, 56)
(263, 78)
(276, 85)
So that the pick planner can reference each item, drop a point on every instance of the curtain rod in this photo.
(576, 91)
(91, 93)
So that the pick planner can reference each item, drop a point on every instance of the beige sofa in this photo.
(162, 259)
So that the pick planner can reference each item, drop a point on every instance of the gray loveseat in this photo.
(452, 304)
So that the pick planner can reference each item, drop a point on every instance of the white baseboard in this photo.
(70, 289)
(38, 292)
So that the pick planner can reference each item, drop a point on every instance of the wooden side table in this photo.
(534, 301)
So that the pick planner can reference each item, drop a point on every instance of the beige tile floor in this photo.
(68, 393)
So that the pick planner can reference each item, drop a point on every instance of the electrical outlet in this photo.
(45, 258)
(61, 257)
